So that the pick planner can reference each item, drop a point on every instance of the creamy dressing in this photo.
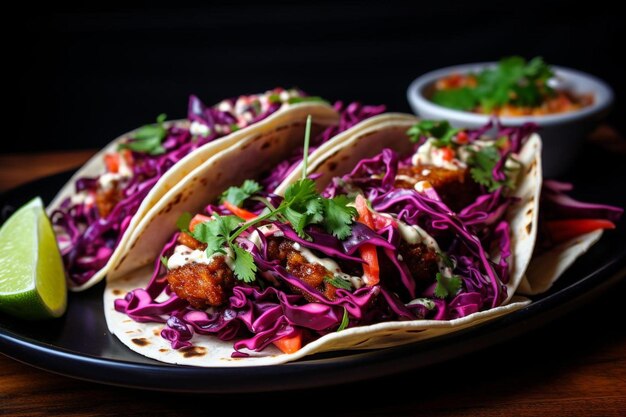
(406, 178)
(415, 234)
(184, 255)
(422, 186)
(199, 129)
(83, 197)
(429, 154)
(330, 265)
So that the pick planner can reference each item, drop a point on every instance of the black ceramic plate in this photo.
(79, 344)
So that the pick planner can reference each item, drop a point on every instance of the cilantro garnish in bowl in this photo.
(514, 81)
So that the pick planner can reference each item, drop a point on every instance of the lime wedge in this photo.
(32, 279)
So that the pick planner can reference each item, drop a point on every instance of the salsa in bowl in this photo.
(566, 104)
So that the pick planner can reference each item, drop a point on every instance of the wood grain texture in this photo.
(16, 169)
(573, 367)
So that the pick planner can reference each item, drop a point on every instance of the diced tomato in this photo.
(461, 137)
(371, 268)
(290, 344)
(381, 222)
(562, 230)
(197, 219)
(112, 162)
(239, 212)
(128, 156)
(447, 153)
(365, 215)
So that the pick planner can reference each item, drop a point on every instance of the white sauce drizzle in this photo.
(184, 255)
(199, 129)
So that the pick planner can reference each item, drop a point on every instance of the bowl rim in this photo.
(603, 98)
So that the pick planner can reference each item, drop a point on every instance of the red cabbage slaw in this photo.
(256, 315)
(88, 240)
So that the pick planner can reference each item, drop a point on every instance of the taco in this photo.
(365, 247)
(104, 201)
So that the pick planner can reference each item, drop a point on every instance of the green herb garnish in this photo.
(513, 81)
(237, 195)
(440, 130)
(345, 320)
(148, 139)
(183, 222)
(483, 162)
(164, 260)
(338, 282)
(302, 206)
(295, 100)
(447, 286)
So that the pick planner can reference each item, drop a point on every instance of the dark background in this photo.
(80, 77)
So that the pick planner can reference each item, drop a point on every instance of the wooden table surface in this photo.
(575, 366)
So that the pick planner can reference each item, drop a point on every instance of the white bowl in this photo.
(562, 133)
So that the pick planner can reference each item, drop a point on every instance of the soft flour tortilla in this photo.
(335, 158)
(324, 116)
(209, 351)
(546, 268)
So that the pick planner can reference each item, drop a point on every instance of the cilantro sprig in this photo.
(440, 130)
(148, 139)
(237, 195)
(338, 282)
(302, 206)
(513, 81)
(483, 161)
(447, 286)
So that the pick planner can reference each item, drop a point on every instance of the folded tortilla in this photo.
(324, 116)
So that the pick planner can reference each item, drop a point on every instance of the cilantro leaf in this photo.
(164, 261)
(441, 130)
(244, 268)
(148, 139)
(300, 192)
(338, 216)
(456, 98)
(297, 219)
(303, 206)
(483, 162)
(216, 232)
(447, 286)
(345, 320)
(237, 195)
(274, 98)
(183, 222)
(295, 100)
(338, 282)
